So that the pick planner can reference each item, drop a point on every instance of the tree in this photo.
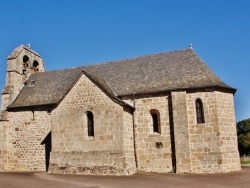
(243, 132)
(243, 126)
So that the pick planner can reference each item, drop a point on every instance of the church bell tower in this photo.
(21, 63)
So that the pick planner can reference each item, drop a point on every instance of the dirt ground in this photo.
(43, 180)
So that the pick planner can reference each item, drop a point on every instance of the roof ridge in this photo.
(55, 70)
(19, 49)
(117, 61)
(142, 56)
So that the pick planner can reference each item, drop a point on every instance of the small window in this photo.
(32, 83)
(199, 111)
(155, 115)
(90, 119)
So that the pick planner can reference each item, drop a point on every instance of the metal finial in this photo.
(190, 46)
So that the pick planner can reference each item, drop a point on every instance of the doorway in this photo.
(47, 143)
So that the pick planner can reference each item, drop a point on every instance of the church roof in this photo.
(18, 50)
(49, 88)
(46, 88)
(161, 72)
(167, 71)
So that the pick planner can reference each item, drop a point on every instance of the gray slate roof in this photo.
(49, 88)
(161, 72)
(168, 71)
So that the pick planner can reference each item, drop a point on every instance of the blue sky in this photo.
(69, 33)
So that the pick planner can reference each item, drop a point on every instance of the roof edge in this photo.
(207, 89)
(13, 56)
(115, 99)
(30, 106)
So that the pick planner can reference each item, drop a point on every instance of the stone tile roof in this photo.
(161, 72)
(18, 50)
(49, 88)
(168, 71)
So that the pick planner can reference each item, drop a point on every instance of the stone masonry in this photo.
(153, 157)
(25, 135)
(213, 144)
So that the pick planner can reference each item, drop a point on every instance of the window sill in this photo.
(89, 138)
(200, 124)
(155, 134)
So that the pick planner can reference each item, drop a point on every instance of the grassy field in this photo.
(245, 162)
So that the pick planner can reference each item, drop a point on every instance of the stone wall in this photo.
(208, 147)
(128, 141)
(26, 131)
(153, 148)
(213, 144)
(181, 132)
(4, 128)
(230, 160)
(110, 150)
(21, 131)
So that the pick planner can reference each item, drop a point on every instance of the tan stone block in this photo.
(199, 157)
(167, 155)
(185, 161)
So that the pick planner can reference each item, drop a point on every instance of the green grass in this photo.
(245, 162)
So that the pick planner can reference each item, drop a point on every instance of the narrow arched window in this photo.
(199, 111)
(25, 63)
(25, 60)
(35, 63)
(35, 66)
(90, 121)
(155, 115)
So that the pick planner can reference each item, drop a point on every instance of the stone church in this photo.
(165, 112)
